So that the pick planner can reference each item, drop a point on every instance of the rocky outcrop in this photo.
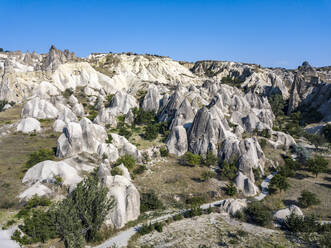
(209, 128)
(282, 214)
(28, 125)
(56, 57)
(122, 102)
(40, 109)
(177, 141)
(108, 150)
(36, 189)
(232, 206)
(124, 146)
(80, 137)
(126, 197)
(47, 171)
(184, 115)
(152, 99)
(280, 140)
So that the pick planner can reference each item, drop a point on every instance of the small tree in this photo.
(326, 131)
(206, 175)
(230, 189)
(164, 152)
(258, 213)
(191, 159)
(279, 182)
(317, 165)
(229, 170)
(308, 199)
(210, 160)
(317, 140)
(151, 132)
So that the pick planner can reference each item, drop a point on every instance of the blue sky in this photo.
(270, 33)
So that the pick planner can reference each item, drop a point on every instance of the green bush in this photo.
(210, 160)
(109, 139)
(196, 211)
(326, 131)
(124, 131)
(317, 165)
(206, 175)
(141, 169)
(278, 182)
(128, 161)
(36, 201)
(191, 159)
(178, 217)
(39, 156)
(195, 201)
(264, 133)
(145, 229)
(149, 201)
(259, 214)
(316, 139)
(307, 224)
(158, 226)
(262, 143)
(230, 189)
(229, 170)
(116, 171)
(68, 92)
(143, 117)
(151, 132)
(277, 104)
(308, 199)
(164, 152)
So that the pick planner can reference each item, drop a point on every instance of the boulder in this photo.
(232, 206)
(47, 171)
(28, 125)
(281, 140)
(177, 141)
(245, 185)
(110, 150)
(36, 189)
(124, 146)
(282, 214)
(6, 107)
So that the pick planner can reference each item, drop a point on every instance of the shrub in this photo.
(164, 152)
(230, 189)
(258, 214)
(158, 226)
(109, 139)
(307, 224)
(68, 92)
(36, 201)
(116, 171)
(140, 169)
(2, 104)
(39, 156)
(195, 201)
(151, 132)
(149, 201)
(229, 170)
(285, 171)
(143, 117)
(257, 174)
(264, 133)
(317, 165)
(124, 131)
(308, 199)
(292, 164)
(277, 104)
(206, 175)
(316, 139)
(178, 217)
(278, 182)
(210, 160)
(262, 143)
(191, 159)
(127, 160)
(326, 131)
(197, 211)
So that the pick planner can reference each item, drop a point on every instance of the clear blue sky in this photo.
(270, 33)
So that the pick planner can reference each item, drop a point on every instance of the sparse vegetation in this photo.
(317, 165)
(150, 201)
(278, 182)
(229, 170)
(39, 156)
(191, 159)
(308, 199)
(116, 171)
(164, 152)
(210, 160)
(230, 189)
(258, 213)
(128, 161)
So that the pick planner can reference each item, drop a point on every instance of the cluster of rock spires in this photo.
(204, 114)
